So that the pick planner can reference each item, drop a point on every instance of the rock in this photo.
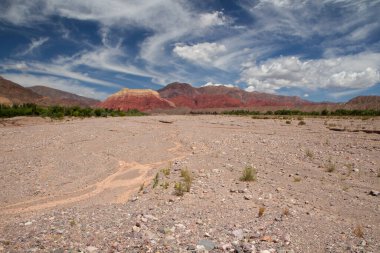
(247, 197)
(207, 235)
(150, 217)
(238, 233)
(266, 238)
(374, 193)
(199, 222)
(180, 226)
(91, 249)
(207, 244)
(136, 229)
(28, 223)
(265, 251)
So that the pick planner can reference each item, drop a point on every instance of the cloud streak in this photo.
(33, 45)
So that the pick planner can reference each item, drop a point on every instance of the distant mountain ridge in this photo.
(63, 97)
(175, 96)
(185, 95)
(13, 93)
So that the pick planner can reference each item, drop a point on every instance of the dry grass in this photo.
(358, 231)
(309, 153)
(261, 211)
(249, 174)
(297, 179)
(156, 179)
(330, 166)
(187, 178)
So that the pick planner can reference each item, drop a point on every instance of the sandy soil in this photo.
(86, 185)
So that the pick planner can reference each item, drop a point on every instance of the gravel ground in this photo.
(88, 185)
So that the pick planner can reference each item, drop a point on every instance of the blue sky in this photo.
(325, 50)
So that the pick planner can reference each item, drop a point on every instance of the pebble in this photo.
(91, 249)
(28, 223)
(238, 233)
(207, 244)
(247, 197)
(374, 193)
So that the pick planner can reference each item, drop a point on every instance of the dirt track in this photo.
(78, 175)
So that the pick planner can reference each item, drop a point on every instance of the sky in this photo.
(320, 50)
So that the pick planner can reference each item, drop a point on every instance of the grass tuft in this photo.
(156, 179)
(330, 166)
(249, 174)
(358, 231)
(309, 153)
(261, 211)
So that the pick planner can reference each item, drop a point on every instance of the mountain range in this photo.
(13, 93)
(175, 96)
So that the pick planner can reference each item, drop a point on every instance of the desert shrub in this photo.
(285, 212)
(358, 231)
(179, 189)
(297, 179)
(187, 179)
(261, 211)
(166, 171)
(309, 153)
(156, 179)
(165, 185)
(301, 123)
(330, 166)
(288, 122)
(249, 174)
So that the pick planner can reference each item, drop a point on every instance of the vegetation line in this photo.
(58, 112)
(338, 112)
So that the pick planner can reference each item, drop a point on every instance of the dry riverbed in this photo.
(86, 185)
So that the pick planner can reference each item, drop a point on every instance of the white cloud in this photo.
(212, 19)
(167, 20)
(353, 71)
(202, 53)
(218, 84)
(68, 85)
(55, 69)
(33, 45)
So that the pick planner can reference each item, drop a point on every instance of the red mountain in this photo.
(142, 100)
(364, 102)
(184, 95)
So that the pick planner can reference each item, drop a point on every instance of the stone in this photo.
(265, 251)
(247, 197)
(374, 193)
(151, 217)
(238, 233)
(136, 229)
(207, 244)
(28, 223)
(91, 249)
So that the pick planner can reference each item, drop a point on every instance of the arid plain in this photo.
(87, 185)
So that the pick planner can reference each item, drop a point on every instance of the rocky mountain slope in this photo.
(13, 93)
(63, 97)
(364, 102)
(184, 95)
(143, 100)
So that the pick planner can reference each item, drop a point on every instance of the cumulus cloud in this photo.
(218, 84)
(33, 45)
(68, 85)
(353, 71)
(202, 53)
